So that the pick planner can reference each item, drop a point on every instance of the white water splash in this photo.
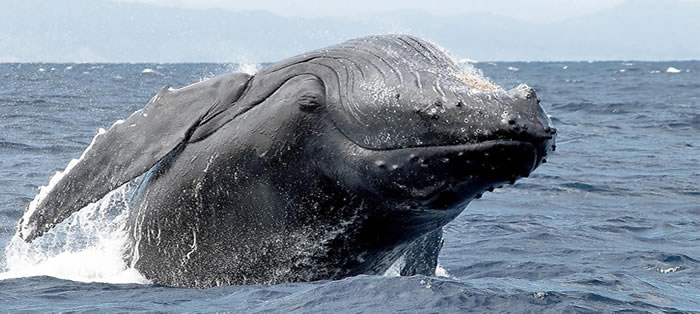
(248, 68)
(86, 247)
(469, 74)
(475, 78)
(441, 272)
(26, 226)
(151, 71)
(467, 60)
(673, 70)
(243, 63)
(395, 268)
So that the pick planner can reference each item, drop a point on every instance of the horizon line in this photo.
(272, 62)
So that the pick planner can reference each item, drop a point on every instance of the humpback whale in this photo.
(333, 163)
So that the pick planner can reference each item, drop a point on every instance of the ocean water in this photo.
(610, 223)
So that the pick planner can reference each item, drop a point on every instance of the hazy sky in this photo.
(530, 10)
(270, 30)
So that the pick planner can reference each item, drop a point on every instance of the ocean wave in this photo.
(20, 148)
(623, 228)
(358, 294)
(151, 71)
(601, 108)
(15, 146)
(676, 259)
(585, 187)
(521, 270)
(673, 70)
(600, 282)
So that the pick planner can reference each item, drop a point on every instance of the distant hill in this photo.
(101, 31)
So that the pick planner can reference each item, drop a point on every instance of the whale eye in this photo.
(311, 102)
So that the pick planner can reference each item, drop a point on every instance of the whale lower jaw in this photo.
(447, 177)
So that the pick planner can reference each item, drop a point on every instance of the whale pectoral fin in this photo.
(129, 149)
(421, 257)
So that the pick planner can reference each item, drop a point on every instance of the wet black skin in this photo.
(312, 170)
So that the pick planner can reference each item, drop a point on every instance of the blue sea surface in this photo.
(610, 223)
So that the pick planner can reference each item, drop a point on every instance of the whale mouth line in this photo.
(471, 147)
(475, 146)
(484, 146)
(442, 177)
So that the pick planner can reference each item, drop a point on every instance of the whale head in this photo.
(422, 134)
(438, 153)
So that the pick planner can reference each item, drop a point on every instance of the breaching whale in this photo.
(329, 164)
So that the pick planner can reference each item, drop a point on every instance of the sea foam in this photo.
(672, 70)
(86, 247)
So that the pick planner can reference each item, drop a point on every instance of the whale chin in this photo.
(477, 168)
(448, 177)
